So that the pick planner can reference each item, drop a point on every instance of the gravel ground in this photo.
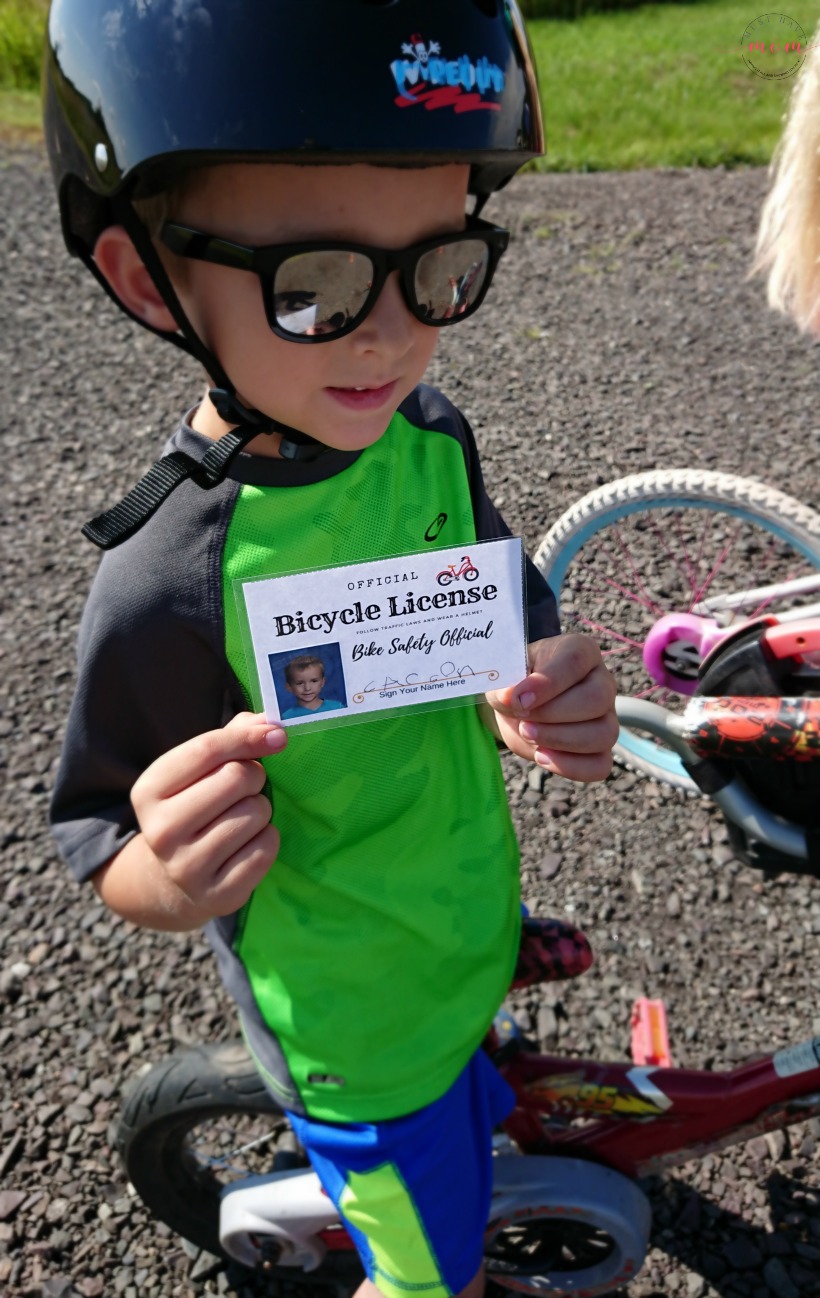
(622, 335)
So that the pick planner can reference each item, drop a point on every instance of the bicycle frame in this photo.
(643, 1120)
(734, 799)
(587, 1131)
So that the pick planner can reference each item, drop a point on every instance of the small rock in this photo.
(57, 1286)
(777, 1278)
(205, 1266)
(742, 1254)
(549, 864)
(547, 1024)
(10, 1201)
(776, 1143)
(536, 778)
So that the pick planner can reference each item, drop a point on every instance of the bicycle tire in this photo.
(163, 1112)
(783, 517)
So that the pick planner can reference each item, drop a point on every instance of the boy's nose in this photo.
(390, 326)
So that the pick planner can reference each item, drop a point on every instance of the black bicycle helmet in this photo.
(138, 92)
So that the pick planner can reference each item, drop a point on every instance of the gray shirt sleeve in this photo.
(151, 671)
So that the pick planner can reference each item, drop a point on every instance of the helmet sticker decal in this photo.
(425, 77)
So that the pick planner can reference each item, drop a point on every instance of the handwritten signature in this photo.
(448, 674)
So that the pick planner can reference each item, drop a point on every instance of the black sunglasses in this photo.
(318, 291)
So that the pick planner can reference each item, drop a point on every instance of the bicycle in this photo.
(451, 573)
(568, 1216)
(691, 555)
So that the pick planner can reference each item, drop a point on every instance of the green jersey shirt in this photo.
(370, 960)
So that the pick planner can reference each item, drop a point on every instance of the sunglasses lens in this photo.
(318, 293)
(450, 278)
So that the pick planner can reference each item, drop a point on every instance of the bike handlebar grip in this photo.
(777, 729)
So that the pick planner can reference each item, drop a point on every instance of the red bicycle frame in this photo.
(642, 1120)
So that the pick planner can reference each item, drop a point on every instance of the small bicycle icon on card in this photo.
(467, 570)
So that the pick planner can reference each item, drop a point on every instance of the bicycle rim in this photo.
(665, 542)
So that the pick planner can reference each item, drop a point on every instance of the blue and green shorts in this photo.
(414, 1192)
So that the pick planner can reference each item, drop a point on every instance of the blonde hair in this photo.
(788, 238)
(155, 210)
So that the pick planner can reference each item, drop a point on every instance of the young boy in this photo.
(305, 679)
(303, 170)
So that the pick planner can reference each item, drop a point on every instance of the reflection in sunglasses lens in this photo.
(320, 292)
(449, 279)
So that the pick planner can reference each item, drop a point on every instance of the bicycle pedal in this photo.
(510, 1039)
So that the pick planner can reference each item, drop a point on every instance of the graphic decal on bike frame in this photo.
(571, 1093)
(781, 729)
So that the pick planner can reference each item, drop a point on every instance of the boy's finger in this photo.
(559, 665)
(580, 737)
(591, 699)
(185, 817)
(584, 768)
(246, 736)
(236, 879)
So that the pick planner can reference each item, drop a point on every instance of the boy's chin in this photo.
(352, 439)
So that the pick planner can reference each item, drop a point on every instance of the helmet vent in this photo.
(487, 7)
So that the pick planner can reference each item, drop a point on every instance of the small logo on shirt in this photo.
(434, 530)
(325, 1079)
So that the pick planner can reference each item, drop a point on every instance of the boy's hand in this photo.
(562, 716)
(203, 815)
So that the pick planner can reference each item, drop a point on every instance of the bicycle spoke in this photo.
(715, 570)
(616, 635)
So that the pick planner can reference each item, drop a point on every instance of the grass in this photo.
(657, 86)
(22, 23)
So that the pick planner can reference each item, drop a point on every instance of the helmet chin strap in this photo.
(117, 524)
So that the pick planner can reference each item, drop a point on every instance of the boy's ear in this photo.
(122, 266)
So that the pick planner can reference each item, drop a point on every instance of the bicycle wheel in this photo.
(200, 1120)
(574, 1227)
(673, 541)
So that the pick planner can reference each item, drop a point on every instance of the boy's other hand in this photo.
(203, 815)
(562, 715)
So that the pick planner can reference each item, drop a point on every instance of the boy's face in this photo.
(342, 393)
(307, 685)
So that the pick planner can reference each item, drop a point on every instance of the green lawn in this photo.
(657, 86)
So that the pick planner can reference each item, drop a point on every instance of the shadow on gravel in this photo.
(732, 1256)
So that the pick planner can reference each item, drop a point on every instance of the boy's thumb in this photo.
(260, 735)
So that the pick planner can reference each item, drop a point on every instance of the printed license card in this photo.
(433, 628)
